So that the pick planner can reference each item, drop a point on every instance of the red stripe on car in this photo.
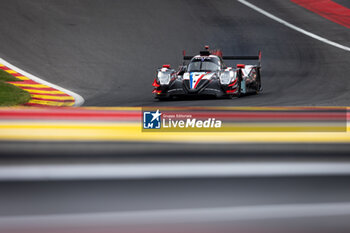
(195, 85)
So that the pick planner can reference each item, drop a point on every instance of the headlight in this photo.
(186, 76)
(225, 77)
(164, 78)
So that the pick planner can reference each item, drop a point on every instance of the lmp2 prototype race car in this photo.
(206, 74)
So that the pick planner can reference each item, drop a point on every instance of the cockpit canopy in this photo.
(204, 64)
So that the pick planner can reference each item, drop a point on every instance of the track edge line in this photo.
(78, 99)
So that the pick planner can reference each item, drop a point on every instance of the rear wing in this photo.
(206, 53)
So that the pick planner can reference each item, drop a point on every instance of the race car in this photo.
(206, 74)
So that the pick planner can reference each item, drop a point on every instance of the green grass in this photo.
(11, 95)
(4, 76)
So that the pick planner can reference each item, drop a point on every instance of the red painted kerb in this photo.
(327, 9)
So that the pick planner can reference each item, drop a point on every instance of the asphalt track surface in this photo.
(52, 203)
(107, 51)
(258, 204)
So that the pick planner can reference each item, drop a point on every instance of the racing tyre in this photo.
(239, 87)
(258, 82)
(163, 98)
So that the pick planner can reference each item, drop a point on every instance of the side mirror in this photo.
(182, 68)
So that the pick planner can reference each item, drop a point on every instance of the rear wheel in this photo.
(239, 86)
(258, 82)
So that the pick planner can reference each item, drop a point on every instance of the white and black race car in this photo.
(206, 74)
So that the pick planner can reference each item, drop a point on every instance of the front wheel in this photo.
(162, 98)
(229, 96)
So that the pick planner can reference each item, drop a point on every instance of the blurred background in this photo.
(92, 168)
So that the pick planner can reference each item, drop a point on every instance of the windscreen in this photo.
(204, 64)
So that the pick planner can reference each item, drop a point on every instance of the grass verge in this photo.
(11, 95)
